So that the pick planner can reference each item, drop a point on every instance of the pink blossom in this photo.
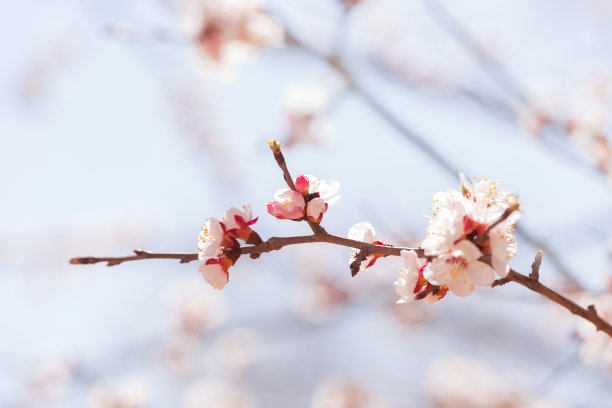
(238, 222)
(288, 205)
(302, 184)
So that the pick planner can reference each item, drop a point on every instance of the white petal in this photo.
(362, 231)
(315, 209)
(499, 254)
(461, 286)
(481, 274)
(469, 251)
(280, 194)
(214, 274)
(230, 221)
(328, 189)
(411, 260)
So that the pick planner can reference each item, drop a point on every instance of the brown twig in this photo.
(272, 244)
(140, 254)
(535, 266)
(535, 285)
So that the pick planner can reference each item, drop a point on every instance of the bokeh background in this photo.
(118, 132)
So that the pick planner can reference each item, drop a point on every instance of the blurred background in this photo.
(126, 124)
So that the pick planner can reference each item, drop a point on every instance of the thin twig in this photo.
(535, 266)
(272, 244)
(140, 254)
(589, 313)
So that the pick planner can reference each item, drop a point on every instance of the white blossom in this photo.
(460, 269)
(210, 238)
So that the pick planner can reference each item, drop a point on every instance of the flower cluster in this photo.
(476, 220)
(228, 30)
(218, 246)
(311, 198)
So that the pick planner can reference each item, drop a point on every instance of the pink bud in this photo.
(302, 184)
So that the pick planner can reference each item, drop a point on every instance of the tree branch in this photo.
(140, 254)
(589, 313)
(272, 244)
(276, 243)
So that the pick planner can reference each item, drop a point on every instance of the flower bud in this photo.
(302, 184)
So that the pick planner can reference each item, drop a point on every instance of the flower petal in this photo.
(461, 286)
(480, 273)
(469, 251)
(213, 273)
(362, 231)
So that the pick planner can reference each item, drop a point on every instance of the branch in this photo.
(589, 313)
(272, 244)
(140, 254)
(535, 266)
(276, 243)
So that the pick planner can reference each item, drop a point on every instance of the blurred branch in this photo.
(495, 69)
(501, 75)
(420, 142)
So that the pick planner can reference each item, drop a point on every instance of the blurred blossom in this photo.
(197, 310)
(227, 32)
(459, 381)
(415, 313)
(211, 392)
(318, 299)
(43, 68)
(540, 109)
(236, 350)
(349, 4)
(50, 378)
(128, 393)
(181, 352)
(339, 393)
(305, 105)
(595, 345)
(589, 122)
